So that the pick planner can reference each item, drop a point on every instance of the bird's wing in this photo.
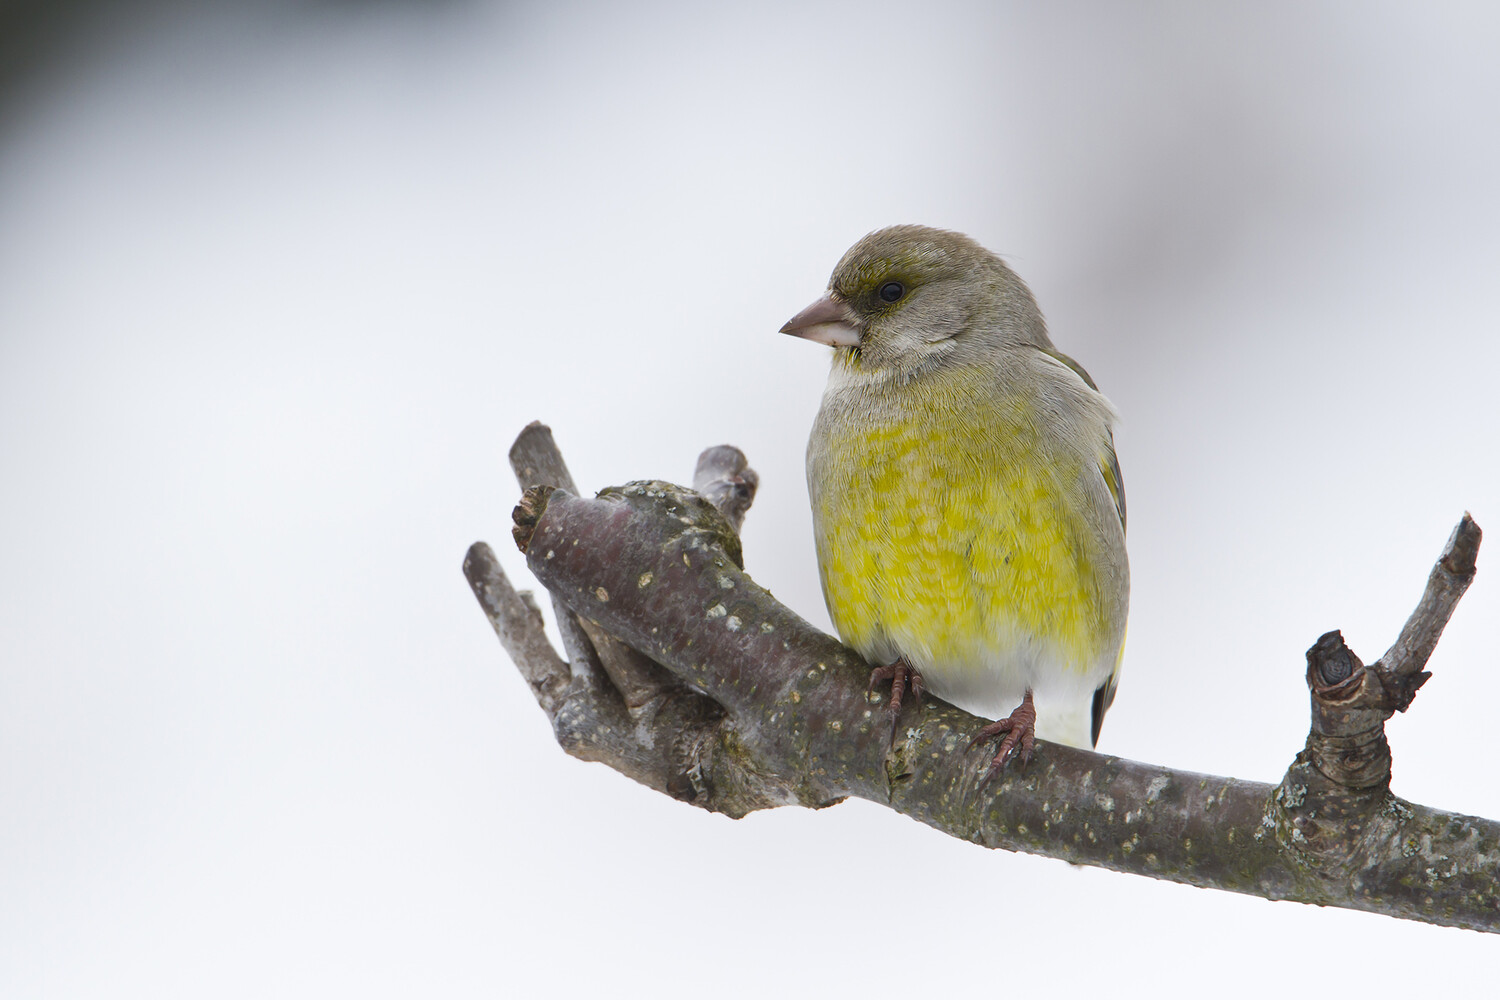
(1109, 467)
(1109, 463)
(1104, 696)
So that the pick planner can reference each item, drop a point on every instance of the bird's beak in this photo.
(826, 321)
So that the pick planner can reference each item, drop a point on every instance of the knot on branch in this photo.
(1332, 667)
(1348, 695)
(527, 513)
(1355, 762)
(1322, 823)
(1350, 703)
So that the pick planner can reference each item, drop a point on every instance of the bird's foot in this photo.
(902, 676)
(1019, 729)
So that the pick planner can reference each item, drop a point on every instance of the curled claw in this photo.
(1019, 729)
(901, 676)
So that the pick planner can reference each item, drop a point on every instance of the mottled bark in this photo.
(693, 680)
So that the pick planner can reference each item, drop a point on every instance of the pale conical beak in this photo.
(826, 321)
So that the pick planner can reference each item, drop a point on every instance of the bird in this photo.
(967, 503)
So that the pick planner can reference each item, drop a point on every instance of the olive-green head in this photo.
(908, 295)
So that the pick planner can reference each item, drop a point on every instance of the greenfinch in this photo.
(967, 503)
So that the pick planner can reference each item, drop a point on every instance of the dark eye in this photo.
(892, 290)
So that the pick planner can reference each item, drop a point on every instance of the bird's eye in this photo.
(892, 290)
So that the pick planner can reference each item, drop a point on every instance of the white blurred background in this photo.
(279, 284)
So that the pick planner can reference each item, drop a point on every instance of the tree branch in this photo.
(734, 703)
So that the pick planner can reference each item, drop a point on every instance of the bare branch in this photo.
(518, 623)
(724, 476)
(536, 461)
(1351, 702)
(1402, 664)
(757, 708)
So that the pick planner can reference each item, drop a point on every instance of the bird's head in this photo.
(907, 296)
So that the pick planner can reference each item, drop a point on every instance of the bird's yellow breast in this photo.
(950, 533)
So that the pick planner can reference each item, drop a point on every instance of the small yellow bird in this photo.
(967, 502)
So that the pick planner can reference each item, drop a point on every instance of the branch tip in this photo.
(478, 561)
(1461, 554)
(1402, 665)
(536, 460)
(723, 475)
(518, 626)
